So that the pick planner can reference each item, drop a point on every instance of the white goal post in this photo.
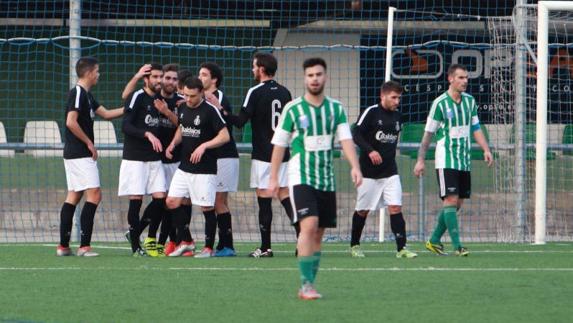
(543, 9)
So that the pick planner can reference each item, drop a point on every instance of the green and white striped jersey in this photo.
(453, 124)
(311, 132)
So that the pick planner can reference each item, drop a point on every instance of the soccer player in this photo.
(141, 171)
(453, 117)
(227, 160)
(263, 106)
(80, 157)
(309, 124)
(201, 130)
(376, 133)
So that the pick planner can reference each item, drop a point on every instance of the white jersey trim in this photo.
(218, 113)
(78, 94)
(365, 113)
(246, 102)
(134, 98)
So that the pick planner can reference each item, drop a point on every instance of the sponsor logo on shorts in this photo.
(303, 212)
(451, 189)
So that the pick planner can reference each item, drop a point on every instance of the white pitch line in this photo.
(327, 269)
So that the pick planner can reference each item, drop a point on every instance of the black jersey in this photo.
(228, 150)
(199, 125)
(140, 116)
(167, 129)
(264, 104)
(379, 130)
(85, 105)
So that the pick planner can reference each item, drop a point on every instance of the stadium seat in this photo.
(3, 140)
(43, 132)
(413, 133)
(568, 139)
(104, 133)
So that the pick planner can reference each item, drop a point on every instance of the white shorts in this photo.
(200, 187)
(140, 178)
(169, 171)
(376, 193)
(81, 174)
(227, 174)
(261, 174)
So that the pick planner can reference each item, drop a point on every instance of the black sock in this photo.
(288, 209)
(265, 221)
(166, 226)
(133, 221)
(225, 231)
(66, 222)
(210, 228)
(157, 207)
(189, 211)
(146, 217)
(181, 220)
(87, 223)
(357, 227)
(398, 226)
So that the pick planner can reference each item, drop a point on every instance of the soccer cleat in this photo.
(405, 253)
(160, 250)
(86, 252)
(183, 247)
(170, 247)
(308, 292)
(188, 254)
(258, 253)
(63, 251)
(225, 252)
(139, 253)
(462, 252)
(150, 246)
(205, 253)
(356, 252)
(436, 248)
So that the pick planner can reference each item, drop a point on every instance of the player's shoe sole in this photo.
(462, 252)
(86, 252)
(437, 249)
(405, 253)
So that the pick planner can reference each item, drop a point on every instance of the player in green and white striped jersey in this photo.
(309, 124)
(453, 117)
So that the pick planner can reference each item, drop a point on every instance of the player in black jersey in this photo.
(263, 106)
(376, 133)
(141, 171)
(201, 130)
(227, 160)
(80, 157)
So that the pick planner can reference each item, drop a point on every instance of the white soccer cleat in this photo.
(86, 252)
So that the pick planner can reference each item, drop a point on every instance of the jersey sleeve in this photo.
(342, 127)
(217, 121)
(129, 117)
(74, 100)
(249, 105)
(284, 128)
(435, 117)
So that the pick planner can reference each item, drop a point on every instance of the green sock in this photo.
(451, 218)
(315, 264)
(440, 228)
(305, 264)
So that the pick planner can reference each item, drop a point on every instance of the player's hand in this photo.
(419, 168)
(160, 105)
(92, 150)
(488, 157)
(154, 142)
(356, 175)
(211, 98)
(375, 157)
(169, 152)
(143, 71)
(197, 154)
(273, 188)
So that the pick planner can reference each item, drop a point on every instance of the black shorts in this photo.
(308, 201)
(454, 182)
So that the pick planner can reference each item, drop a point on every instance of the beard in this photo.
(316, 91)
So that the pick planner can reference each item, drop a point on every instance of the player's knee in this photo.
(172, 203)
(93, 195)
(451, 200)
(73, 197)
(159, 195)
(394, 209)
(207, 208)
(283, 193)
(363, 213)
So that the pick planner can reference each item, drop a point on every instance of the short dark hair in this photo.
(215, 71)
(155, 67)
(268, 61)
(170, 68)
(313, 61)
(85, 65)
(454, 67)
(194, 82)
(391, 86)
(182, 76)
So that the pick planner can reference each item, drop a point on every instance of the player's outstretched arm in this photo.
(424, 145)
(74, 126)
(109, 114)
(350, 153)
(132, 84)
(482, 142)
